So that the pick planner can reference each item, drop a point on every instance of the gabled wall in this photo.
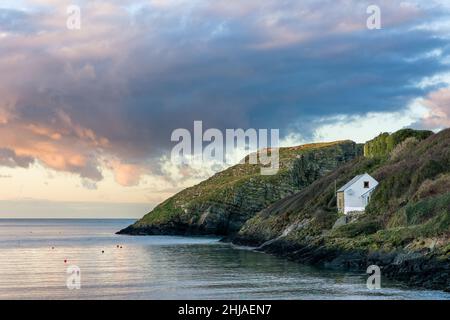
(352, 195)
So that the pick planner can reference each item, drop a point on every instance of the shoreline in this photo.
(414, 269)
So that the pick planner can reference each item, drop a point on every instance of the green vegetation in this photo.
(385, 143)
(422, 211)
(358, 228)
(409, 212)
(222, 203)
(410, 193)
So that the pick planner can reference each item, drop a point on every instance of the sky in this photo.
(86, 115)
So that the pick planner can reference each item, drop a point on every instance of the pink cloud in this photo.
(126, 174)
(438, 105)
(62, 145)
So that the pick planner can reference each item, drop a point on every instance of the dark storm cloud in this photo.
(133, 74)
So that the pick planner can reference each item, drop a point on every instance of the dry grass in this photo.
(431, 188)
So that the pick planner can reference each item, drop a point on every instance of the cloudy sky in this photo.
(86, 115)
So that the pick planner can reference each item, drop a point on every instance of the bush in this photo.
(404, 147)
(383, 144)
(325, 219)
(431, 188)
(422, 211)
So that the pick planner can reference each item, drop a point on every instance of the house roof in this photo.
(348, 184)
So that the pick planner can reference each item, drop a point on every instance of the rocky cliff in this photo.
(221, 204)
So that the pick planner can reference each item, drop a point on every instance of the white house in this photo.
(355, 194)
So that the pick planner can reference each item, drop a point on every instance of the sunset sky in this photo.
(86, 115)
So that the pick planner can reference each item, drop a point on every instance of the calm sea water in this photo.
(35, 254)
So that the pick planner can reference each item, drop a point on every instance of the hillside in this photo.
(223, 203)
(406, 226)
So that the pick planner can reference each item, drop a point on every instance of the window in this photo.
(366, 184)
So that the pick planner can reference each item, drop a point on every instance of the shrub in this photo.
(430, 188)
(422, 211)
(404, 147)
(383, 144)
(325, 219)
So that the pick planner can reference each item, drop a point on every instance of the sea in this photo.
(84, 259)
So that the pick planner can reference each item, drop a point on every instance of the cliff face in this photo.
(224, 202)
(406, 226)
